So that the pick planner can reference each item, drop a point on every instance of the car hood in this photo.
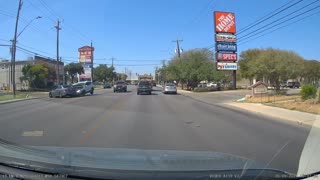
(122, 159)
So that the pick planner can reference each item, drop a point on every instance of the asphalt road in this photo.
(157, 121)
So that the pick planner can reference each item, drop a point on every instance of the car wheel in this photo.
(150, 93)
(138, 93)
(50, 95)
(91, 92)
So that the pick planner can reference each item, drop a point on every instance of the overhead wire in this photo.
(283, 17)
(282, 22)
(280, 28)
(268, 16)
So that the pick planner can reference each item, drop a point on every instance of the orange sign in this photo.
(225, 22)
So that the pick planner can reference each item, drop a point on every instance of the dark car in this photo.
(293, 84)
(107, 85)
(144, 87)
(120, 86)
(62, 91)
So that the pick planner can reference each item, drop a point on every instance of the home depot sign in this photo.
(225, 22)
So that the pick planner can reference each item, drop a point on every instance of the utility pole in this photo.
(58, 29)
(13, 56)
(178, 46)
(113, 67)
(91, 62)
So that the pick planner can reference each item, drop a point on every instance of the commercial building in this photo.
(5, 71)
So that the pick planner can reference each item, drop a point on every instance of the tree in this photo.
(73, 69)
(121, 76)
(192, 67)
(103, 73)
(311, 71)
(270, 65)
(36, 75)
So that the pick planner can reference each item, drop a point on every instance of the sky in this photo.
(139, 34)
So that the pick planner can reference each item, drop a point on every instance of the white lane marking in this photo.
(32, 133)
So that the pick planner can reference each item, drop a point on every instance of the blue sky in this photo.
(140, 32)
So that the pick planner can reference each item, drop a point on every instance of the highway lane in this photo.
(157, 121)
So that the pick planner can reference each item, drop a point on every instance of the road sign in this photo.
(221, 56)
(227, 66)
(220, 46)
(225, 22)
(223, 37)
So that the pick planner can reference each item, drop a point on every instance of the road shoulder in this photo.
(290, 115)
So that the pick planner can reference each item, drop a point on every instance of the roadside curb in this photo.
(285, 114)
(18, 100)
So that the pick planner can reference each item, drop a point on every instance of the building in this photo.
(5, 71)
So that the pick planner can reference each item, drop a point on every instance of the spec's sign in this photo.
(226, 47)
(226, 38)
(225, 22)
(227, 66)
(221, 56)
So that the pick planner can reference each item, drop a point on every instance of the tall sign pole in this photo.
(226, 47)
(91, 62)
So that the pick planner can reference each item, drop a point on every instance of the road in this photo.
(157, 121)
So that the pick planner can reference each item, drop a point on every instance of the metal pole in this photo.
(58, 29)
(14, 43)
(91, 61)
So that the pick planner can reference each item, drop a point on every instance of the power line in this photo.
(35, 49)
(50, 10)
(280, 23)
(46, 15)
(266, 17)
(279, 28)
(248, 34)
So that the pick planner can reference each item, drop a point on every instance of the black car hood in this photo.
(123, 159)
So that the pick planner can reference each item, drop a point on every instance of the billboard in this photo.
(222, 46)
(221, 56)
(225, 22)
(222, 37)
(85, 55)
(227, 66)
(85, 58)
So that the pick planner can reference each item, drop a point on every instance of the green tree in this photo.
(270, 65)
(36, 75)
(103, 73)
(192, 67)
(73, 69)
(311, 71)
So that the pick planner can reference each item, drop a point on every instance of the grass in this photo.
(7, 97)
(299, 106)
(273, 98)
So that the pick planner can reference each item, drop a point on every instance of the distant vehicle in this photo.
(146, 78)
(144, 87)
(293, 85)
(87, 87)
(80, 90)
(170, 88)
(62, 91)
(202, 85)
(107, 85)
(212, 84)
(120, 86)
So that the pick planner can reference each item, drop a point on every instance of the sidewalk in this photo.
(291, 115)
(220, 97)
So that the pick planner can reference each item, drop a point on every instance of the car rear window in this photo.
(170, 84)
(144, 83)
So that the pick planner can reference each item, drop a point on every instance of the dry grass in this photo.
(306, 106)
(268, 99)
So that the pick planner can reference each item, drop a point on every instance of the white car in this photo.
(212, 84)
(87, 87)
(170, 88)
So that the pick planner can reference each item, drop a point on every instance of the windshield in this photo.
(160, 86)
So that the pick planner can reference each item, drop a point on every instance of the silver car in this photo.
(170, 88)
(62, 91)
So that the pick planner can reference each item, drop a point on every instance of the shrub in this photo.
(308, 92)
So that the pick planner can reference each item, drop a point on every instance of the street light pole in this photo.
(38, 17)
(14, 44)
